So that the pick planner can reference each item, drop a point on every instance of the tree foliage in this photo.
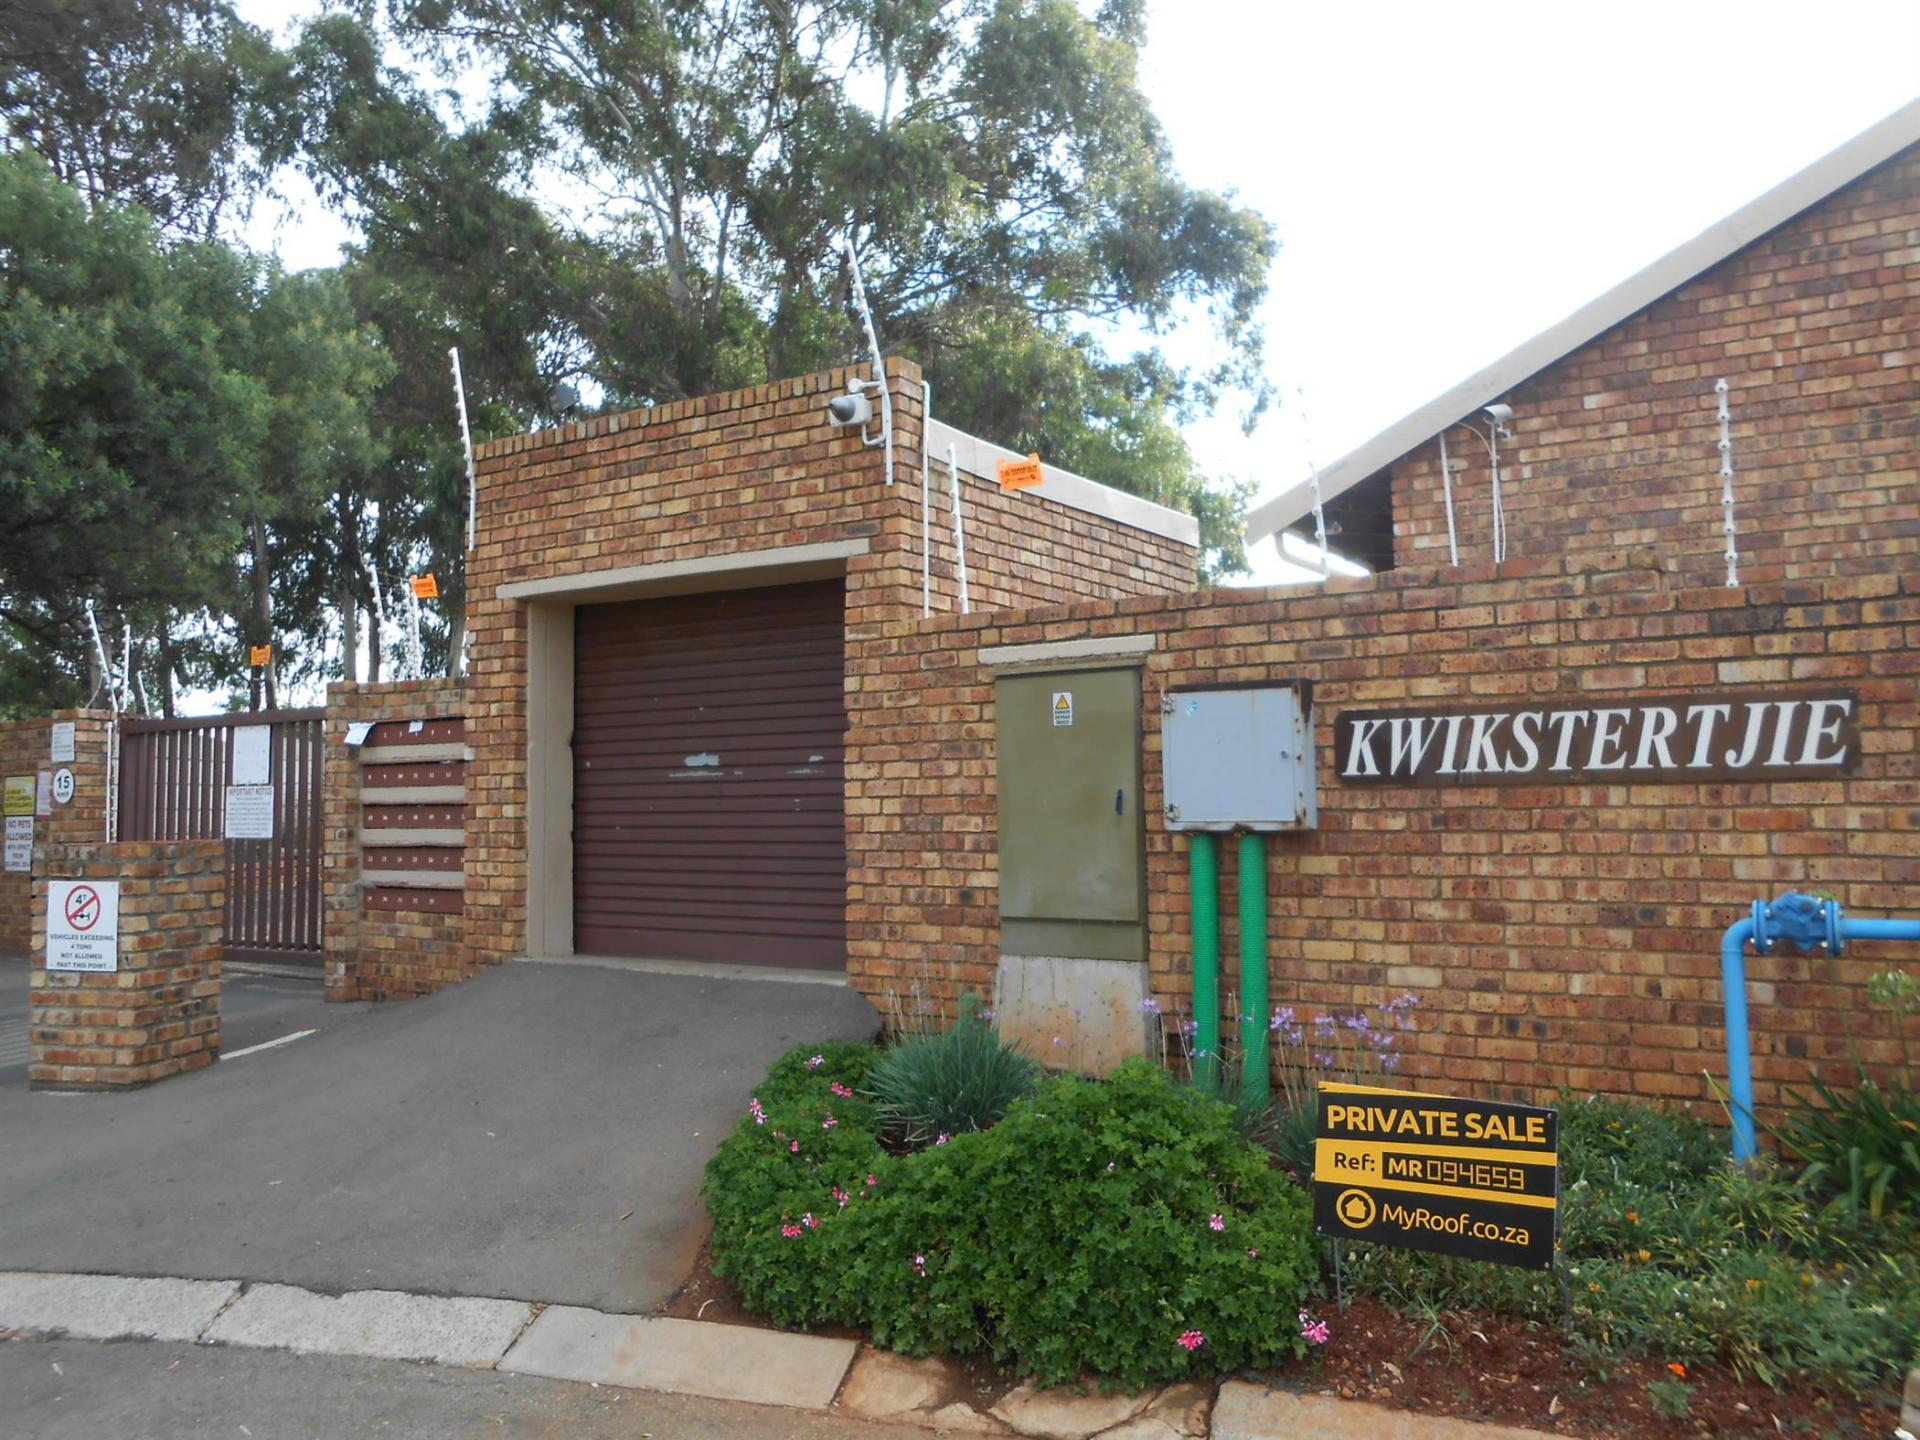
(653, 199)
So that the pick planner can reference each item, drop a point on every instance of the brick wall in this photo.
(744, 471)
(1555, 934)
(159, 1013)
(25, 749)
(1816, 329)
(390, 941)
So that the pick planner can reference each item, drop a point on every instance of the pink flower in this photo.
(816, 1062)
(841, 1196)
(1254, 1253)
(829, 1122)
(808, 1221)
(872, 1180)
(1191, 1340)
(944, 1138)
(919, 1264)
(791, 1231)
(1217, 1223)
(845, 1092)
(795, 1147)
(1109, 1167)
(1315, 1332)
(753, 1109)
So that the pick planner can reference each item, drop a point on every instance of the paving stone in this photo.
(683, 1357)
(884, 1385)
(1061, 1414)
(1180, 1413)
(111, 1307)
(963, 1419)
(1253, 1412)
(382, 1324)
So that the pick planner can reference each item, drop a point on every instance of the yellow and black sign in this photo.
(1473, 1178)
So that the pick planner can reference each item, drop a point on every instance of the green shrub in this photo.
(949, 1082)
(777, 1183)
(1863, 1147)
(1076, 1237)
(1674, 1252)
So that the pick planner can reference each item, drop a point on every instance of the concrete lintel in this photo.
(452, 838)
(413, 754)
(413, 795)
(1057, 652)
(417, 879)
(779, 565)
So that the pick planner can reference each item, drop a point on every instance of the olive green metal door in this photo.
(1071, 879)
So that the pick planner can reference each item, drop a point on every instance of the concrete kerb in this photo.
(679, 1357)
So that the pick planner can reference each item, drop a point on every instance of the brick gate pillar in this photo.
(156, 1012)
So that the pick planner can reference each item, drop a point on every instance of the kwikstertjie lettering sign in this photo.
(1671, 739)
(1474, 1178)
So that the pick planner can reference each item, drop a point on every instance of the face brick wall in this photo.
(375, 951)
(1557, 935)
(749, 470)
(25, 748)
(1816, 329)
(159, 1013)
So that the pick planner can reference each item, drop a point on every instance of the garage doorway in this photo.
(709, 747)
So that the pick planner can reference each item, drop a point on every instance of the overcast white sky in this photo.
(1449, 180)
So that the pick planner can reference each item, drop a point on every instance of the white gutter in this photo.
(1727, 237)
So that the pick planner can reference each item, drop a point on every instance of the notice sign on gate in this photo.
(1472, 1178)
(19, 820)
(83, 925)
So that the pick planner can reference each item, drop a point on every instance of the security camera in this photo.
(852, 408)
(1501, 415)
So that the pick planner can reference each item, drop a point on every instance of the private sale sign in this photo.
(1474, 1178)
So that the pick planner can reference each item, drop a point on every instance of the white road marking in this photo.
(269, 1044)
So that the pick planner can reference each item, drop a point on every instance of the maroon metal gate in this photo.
(174, 776)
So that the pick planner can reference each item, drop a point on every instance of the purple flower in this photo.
(1150, 1006)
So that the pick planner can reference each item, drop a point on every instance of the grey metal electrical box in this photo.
(1239, 758)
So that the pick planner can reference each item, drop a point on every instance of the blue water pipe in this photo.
(1807, 923)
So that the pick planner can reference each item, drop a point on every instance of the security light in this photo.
(852, 408)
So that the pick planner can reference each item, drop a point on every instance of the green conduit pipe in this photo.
(1255, 1080)
(1205, 869)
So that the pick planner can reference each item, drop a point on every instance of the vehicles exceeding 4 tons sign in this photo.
(1473, 1178)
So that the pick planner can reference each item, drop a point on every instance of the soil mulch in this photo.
(1480, 1367)
(1473, 1367)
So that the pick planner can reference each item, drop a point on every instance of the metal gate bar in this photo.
(173, 779)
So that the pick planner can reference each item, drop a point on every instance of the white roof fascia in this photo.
(983, 457)
(1725, 238)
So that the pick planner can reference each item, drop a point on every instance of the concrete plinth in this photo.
(1073, 1014)
(157, 1012)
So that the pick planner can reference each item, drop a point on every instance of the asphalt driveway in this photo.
(536, 1133)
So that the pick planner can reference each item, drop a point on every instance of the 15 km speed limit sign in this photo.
(83, 925)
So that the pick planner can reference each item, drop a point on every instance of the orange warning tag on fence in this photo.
(425, 587)
(1021, 474)
(259, 655)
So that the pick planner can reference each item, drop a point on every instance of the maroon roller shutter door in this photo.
(708, 748)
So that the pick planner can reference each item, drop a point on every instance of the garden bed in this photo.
(1129, 1233)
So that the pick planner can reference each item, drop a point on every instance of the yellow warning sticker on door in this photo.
(1063, 707)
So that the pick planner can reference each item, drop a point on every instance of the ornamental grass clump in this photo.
(935, 1082)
